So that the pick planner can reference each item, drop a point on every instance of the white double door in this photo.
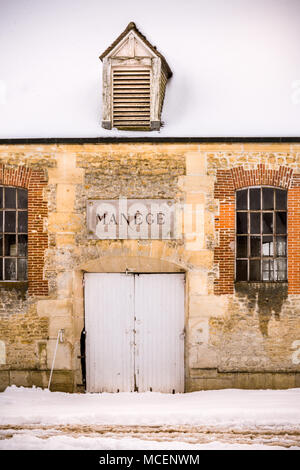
(134, 332)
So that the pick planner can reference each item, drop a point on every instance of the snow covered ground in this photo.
(25, 442)
(39, 419)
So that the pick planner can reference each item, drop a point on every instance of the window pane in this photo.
(268, 246)
(281, 276)
(255, 222)
(22, 221)
(241, 222)
(1, 198)
(241, 247)
(22, 269)
(254, 270)
(22, 245)
(255, 198)
(1, 269)
(268, 198)
(281, 246)
(268, 222)
(10, 268)
(280, 269)
(241, 199)
(268, 270)
(255, 246)
(10, 247)
(1, 221)
(281, 197)
(22, 198)
(10, 221)
(1, 245)
(10, 198)
(241, 270)
(280, 222)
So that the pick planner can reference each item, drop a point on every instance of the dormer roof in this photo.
(132, 43)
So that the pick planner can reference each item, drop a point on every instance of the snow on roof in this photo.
(132, 27)
(236, 66)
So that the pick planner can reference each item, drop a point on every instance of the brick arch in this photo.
(227, 182)
(34, 180)
(261, 176)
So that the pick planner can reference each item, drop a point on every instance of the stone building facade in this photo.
(238, 334)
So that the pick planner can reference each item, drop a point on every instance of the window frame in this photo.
(16, 233)
(261, 234)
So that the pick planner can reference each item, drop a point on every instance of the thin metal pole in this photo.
(53, 361)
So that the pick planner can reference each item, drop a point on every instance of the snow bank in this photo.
(232, 408)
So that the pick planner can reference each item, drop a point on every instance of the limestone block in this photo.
(193, 222)
(66, 171)
(217, 384)
(194, 385)
(4, 380)
(281, 381)
(78, 285)
(65, 197)
(195, 198)
(217, 147)
(2, 353)
(202, 357)
(63, 359)
(203, 373)
(65, 239)
(51, 308)
(74, 175)
(156, 249)
(62, 381)
(197, 282)
(64, 284)
(195, 163)
(64, 222)
(271, 147)
(198, 331)
(196, 183)
(58, 323)
(201, 258)
(39, 378)
(20, 378)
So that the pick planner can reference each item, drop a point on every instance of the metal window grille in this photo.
(13, 233)
(261, 234)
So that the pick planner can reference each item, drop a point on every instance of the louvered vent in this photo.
(131, 99)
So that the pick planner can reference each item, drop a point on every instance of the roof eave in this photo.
(132, 26)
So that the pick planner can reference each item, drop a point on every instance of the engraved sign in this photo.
(131, 219)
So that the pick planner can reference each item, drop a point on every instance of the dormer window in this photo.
(134, 82)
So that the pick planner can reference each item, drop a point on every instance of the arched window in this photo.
(261, 234)
(13, 233)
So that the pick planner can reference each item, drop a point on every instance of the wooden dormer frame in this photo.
(131, 50)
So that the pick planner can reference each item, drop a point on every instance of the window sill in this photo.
(267, 283)
(18, 285)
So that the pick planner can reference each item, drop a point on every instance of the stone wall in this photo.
(245, 336)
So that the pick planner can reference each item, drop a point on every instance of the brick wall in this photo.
(34, 180)
(294, 235)
(227, 182)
